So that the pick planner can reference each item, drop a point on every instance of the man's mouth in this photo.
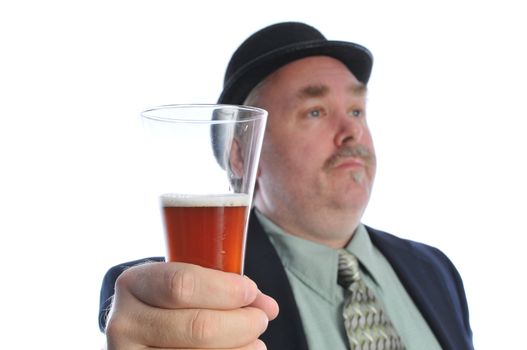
(349, 163)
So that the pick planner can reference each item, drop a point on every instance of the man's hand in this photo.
(183, 306)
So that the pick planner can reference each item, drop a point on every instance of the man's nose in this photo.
(349, 128)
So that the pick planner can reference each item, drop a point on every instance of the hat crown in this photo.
(268, 40)
(279, 44)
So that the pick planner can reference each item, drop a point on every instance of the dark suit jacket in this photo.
(427, 274)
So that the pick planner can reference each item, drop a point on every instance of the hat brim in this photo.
(357, 58)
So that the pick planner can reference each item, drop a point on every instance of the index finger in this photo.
(179, 285)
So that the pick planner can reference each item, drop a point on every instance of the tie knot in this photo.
(348, 268)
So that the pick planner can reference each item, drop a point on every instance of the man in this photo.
(316, 172)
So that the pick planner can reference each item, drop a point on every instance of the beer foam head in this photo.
(211, 200)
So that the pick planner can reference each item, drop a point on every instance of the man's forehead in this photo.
(309, 77)
(310, 74)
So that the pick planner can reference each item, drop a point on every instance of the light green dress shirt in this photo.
(312, 271)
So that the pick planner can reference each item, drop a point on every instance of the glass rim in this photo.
(255, 113)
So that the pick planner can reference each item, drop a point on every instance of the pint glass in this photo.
(203, 161)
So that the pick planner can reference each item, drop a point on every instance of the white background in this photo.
(447, 111)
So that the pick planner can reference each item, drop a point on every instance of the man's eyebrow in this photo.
(358, 89)
(313, 91)
(322, 90)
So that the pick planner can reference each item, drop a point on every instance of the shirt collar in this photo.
(315, 265)
(364, 250)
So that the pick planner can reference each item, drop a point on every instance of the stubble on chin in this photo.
(358, 177)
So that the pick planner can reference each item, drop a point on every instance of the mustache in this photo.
(356, 151)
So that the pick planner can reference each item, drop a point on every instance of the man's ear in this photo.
(236, 160)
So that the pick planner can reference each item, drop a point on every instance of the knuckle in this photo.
(203, 327)
(237, 290)
(118, 333)
(121, 282)
(241, 291)
(232, 328)
(126, 278)
(181, 284)
(116, 327)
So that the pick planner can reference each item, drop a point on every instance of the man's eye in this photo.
(315, 113)
(356, 113)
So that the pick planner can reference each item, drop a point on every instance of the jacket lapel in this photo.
(433, 284)
(263, 266)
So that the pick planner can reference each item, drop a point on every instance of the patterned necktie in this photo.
(367, 325)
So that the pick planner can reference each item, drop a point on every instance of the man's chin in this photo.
(358, 176)
(353, 196)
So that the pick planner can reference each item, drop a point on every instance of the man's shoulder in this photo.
(431, 279)
(393, 245)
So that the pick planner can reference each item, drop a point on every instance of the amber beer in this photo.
(206, 230)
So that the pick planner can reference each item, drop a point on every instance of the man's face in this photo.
(318, 162)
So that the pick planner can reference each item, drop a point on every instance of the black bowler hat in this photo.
(273, 47)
